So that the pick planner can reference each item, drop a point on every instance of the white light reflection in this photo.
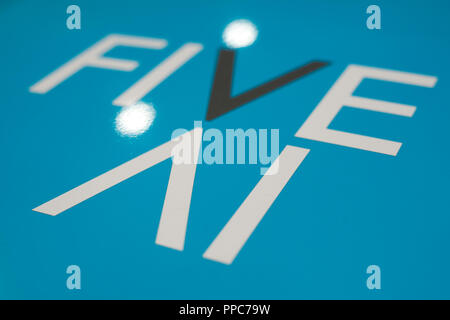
(134, 120)
(239, 33)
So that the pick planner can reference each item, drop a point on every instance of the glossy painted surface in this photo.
(343, 210)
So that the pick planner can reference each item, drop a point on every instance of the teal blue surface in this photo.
(343, 210)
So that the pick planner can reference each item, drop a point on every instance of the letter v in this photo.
(221, 102)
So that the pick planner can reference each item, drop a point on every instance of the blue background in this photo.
(343, 210)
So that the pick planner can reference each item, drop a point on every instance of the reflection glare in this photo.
(134, 120)
(239, 33)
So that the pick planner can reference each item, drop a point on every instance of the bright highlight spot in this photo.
(239, 33)
(134, 120)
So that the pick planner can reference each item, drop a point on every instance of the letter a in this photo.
(374, 280)
(74, 281)
(374, 20)
(74, 20)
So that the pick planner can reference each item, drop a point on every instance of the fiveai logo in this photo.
(174, 217)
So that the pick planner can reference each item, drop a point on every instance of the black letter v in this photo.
(220, 101)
